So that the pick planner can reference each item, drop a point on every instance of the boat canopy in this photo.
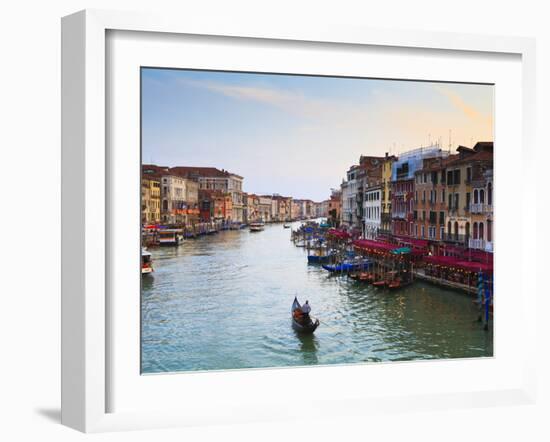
(401, 251)
(340, 234)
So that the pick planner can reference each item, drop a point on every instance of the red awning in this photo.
(418, 243)
(341, 234)
(459, 263)
(367, 244)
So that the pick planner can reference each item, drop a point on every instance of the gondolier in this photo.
(301, 322)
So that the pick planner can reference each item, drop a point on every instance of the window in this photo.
(468, 174)
(450, 201)
(489, 230)
(480, 230)
(481, 196)
(475, 197)
(422, 227)
(468, 201)
(450, 178)
(456, 177)
(489, 201)
(441, 218)
(457, 200)
(475, 231)
(443, 196)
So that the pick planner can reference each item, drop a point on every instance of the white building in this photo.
(264, 208)
(348, 204)
(173, 191)
(372, 211)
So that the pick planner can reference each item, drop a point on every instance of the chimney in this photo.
(386, 155)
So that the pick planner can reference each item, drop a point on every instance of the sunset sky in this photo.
(297, 135)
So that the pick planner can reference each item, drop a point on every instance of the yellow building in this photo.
(150, 200)
(385, 219)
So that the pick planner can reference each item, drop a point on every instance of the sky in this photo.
(298, 135)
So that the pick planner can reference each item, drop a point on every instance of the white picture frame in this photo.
(86, 353)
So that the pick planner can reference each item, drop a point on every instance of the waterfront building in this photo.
(321, 209)
(295, 209)
(430, 199)
(403, 187)
(372, 211)
(211, 178)
(150, 200)
(173, 194)
(281, 207)
(346, 218)
(215, 205)
(264, 209)
(481, 209)
(335, 207)
(385, 217)
(285, 208)
(301, 208)
(469, 162)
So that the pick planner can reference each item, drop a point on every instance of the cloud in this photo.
(289, 101)
(458, 102)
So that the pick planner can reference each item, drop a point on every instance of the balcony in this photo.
(456, 238)
(481, 208)
(480, 244)
(401, 215)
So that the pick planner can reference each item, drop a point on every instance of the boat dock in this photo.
(419, 274)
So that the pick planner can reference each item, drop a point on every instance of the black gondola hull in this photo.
(302, 328)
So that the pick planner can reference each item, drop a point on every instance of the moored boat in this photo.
(348, 266)
(305, 325)
(170, 237)
(257, 226)
(146, 262)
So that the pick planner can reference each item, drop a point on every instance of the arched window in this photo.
(489, 229)
(481, 196)
(467, 230)
(489, 195)
(449, 228)
(475, 231)
(456, 230)
(480, 230)
(475, 197)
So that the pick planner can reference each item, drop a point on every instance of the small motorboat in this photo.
(257, 226)
(301, 326)
(146, 262)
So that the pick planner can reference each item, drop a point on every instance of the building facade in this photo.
(403, 187)
(150, 200)
(373, 211)
(211, 178)
(386, 197)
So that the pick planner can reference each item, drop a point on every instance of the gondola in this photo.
(297, 326)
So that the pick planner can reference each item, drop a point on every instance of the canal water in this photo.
(223, 302)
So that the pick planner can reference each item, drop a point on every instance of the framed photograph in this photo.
(264, 224)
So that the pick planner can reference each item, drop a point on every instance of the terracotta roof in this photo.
(208, 172)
